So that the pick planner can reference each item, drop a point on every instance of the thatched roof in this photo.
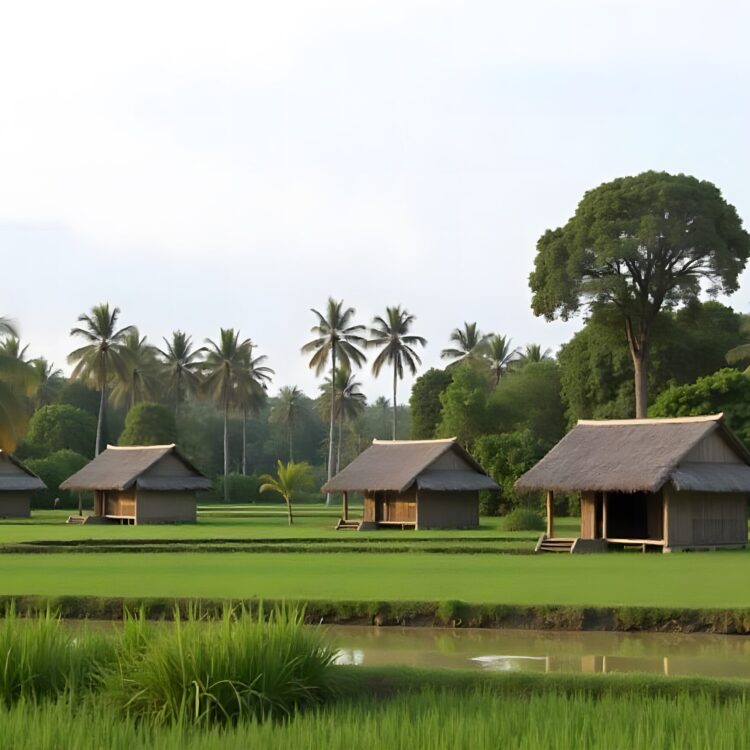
(122, 467)
(633, 455)
(394, 465)
(18, 477)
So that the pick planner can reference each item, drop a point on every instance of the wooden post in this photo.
(605, 498)
(550, 514)
(345, 503)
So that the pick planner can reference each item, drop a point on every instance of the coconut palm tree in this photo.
(288, 410)
(391, 334)
(102, 356)
(470, 344)
(499, 355)
(348, 404)
(533, 353)
(382, 405)
(11, 347)
(50, 380)
(140, 380)
(336, 339)
(290, 478)
(251, 393)
(226, 373)
(17, 381)
(181, 365)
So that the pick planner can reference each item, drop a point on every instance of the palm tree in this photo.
(338, 339)
(288, 410)
(392, 334)
(11, 347)
(381, 405)
(290, 478)
(102, 356)
(533, 353)
(470, 344)
(226, 373)
(181, 365)
(140, 380)
(50, 380)
(251, 393)
(499, 355)
(17, 380)
(349, 402)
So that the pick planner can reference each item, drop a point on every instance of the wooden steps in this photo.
(348, 525)
(77, 520)
(554, 544)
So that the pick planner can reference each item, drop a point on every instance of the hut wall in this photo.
(368, 510)
(713, 449)
(15, 505)
(447, 510)
(705, 519)
(169, 466)
(396, 507)
(166, 507)
(588, 515)
(119, 504)
(450, 461)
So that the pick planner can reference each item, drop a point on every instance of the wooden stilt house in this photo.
(419, 484)
(17, 483)
(141, 484)
(670, 484)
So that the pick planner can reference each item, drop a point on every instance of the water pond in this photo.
(544, 651)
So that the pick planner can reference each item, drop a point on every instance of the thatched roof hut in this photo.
(141, 484)
(674, 483)
(414, 483)
(17, 483)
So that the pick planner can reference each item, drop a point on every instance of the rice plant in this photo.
(243, 666)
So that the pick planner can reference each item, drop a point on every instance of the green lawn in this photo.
(679, 580)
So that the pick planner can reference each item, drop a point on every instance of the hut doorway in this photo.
(634, 515)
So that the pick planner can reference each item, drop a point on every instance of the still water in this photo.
(544, 651)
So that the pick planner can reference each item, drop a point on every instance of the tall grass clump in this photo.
(243, 666)
(42, 658)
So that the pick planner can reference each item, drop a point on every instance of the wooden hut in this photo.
(672, 484)
(17, 483)
(420, 484)
(140, 484)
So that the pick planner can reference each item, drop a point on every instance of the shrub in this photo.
(522, 519)
(242, 667)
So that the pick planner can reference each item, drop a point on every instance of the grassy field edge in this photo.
(453, 614)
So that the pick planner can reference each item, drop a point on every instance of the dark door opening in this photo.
(634, 515)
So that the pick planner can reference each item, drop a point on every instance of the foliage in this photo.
(470, 344)
(289, 409)
(529, 398)
(523, 519)
(140, 379)
(725, 391)
(53, 470)
(181, 365)
(641, 244)
(597, 370)
(424, 403)
(465, 414)
(241, 489)
(500, 356)
(58, 427)
(290, 479)
(243, 667)
(80, 395)
(149, 424)
(505, 457)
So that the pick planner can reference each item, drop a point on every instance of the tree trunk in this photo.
(395, 381)
(100, 418)
(639, 343)
(291, 446)
(226, 452)
(289, 510)
(333, 413)
(244, 441)
(338, 446)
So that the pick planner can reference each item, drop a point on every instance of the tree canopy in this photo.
(640, 244)
(149, 424)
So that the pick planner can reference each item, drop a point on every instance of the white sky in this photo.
(235, 163)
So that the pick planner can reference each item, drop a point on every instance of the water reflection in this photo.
(545, 651)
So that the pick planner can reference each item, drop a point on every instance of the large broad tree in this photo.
(337, 339)
(391, 335)
(102, 355)
(643, 244)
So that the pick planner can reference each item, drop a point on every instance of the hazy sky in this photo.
(235, 163)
